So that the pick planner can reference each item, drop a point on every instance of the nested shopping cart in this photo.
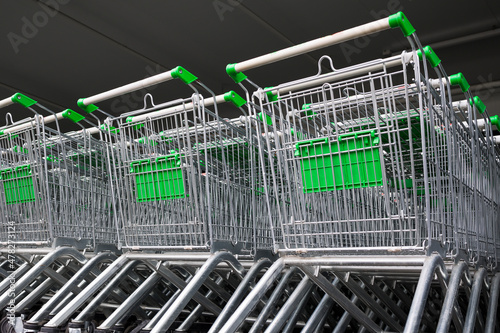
(374, 166)
(373, 157)
(185, 178)
(54, 185)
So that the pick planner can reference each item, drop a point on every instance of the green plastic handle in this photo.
(495, 120)
(481, 107)
(459, 79)
(180, 72)
(399, 20)
(23, 100)
(236, 99)
(430, 55)
(72, 115)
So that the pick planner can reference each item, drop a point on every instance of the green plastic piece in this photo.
(144, 140)
(270, 96)
(87, 108)
(18, 184)
(351, 162)
(478, 103)
(136, 127)
(495, 120)
(181, 73)
(72, 115)
(310, 113)
(23, 100)
(236, 76)
(399, 20)
(159, 179)
(459, 79)
(236, 99)
(430, 55)
(110, 129)
(269, 120)
(20, 150)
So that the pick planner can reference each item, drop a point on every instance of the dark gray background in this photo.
(57, 51)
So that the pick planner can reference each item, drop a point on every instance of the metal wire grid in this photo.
(53, 185)
(205, 193)
(389, 123)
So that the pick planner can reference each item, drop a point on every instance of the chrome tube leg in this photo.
(253, 298)
(39, 268)
(470, 318)
(287, 309)
(192, 288)
(131, 302)
(450, 299)
(322, 310)
(239, 294)
(90, 290)
(419, 299)
(493, 304)
(66, 289)
(341, 299)
(277, 292)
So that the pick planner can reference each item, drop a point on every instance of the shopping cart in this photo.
(370, 157)
(54, 185)
(376, 169)
(54, 204)
(184, 178)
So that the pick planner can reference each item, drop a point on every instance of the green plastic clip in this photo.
(495, 120)
(181, 73)
(87, 108)
(478, 103)
(236, 99)
(309, 112)
(23, 100)
(110, 129)
(399, 20)
(269, 120)
(430, 55)
(72, 115)
(270, 96)
(136, 127)
(236, 76)
(459, 79)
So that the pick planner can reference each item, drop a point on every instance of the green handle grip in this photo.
(430, 55)
(23, 100)
(459, 79)
(399, 20)
(72, 115)
(480, 106)
(495, 120)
